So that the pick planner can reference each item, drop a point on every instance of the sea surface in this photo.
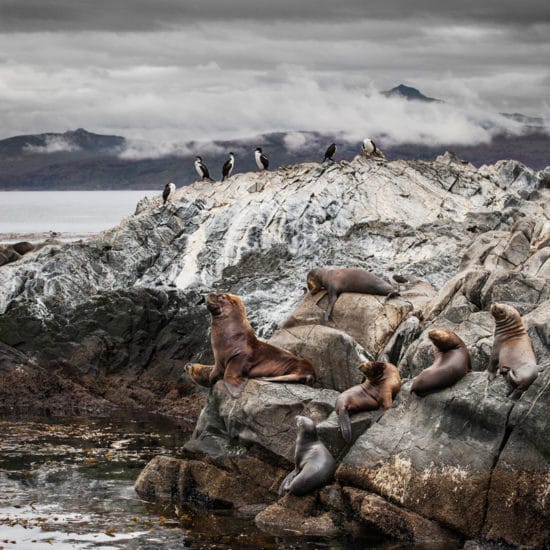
(32, 215)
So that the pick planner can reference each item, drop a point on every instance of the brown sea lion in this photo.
(381, 385)
(200, 374)
(350, 279)
(512, 352)
(239, 355)
(452, 361)
(314, 465)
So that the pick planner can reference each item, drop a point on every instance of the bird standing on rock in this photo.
(169, 190)
(261, 160)
(329, 153)
(369, 147)
(228, 167)
(201, 169)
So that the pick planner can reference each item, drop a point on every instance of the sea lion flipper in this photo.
(283, 487)
(345, 425)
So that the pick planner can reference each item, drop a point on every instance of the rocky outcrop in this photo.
(118, 316)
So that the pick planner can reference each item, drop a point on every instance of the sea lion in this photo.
(512, 352)
(239, 355)
(314, 465)
(350, 279)
(200, 374)
(382, 383)
(452, 361)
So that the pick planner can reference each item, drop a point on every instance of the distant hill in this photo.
(83, 160)
(410, 93)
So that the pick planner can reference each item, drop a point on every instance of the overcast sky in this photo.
(169, 71)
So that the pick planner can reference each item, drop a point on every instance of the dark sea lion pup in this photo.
(452, 361)
(239, 355)
(314, 465)
(512, 352)
(351, 279)
(382, 383)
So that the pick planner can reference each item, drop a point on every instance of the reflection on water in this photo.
(68, 483)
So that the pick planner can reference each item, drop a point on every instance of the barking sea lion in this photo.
(239, 355)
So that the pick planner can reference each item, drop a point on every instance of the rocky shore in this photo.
(111, 321)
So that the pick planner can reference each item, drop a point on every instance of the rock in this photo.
(8, 254)
(263, 416)
(516, 176)
(378, 515)
(407, 332)
(335, 355)
(23, 247)
(518, 500)
(434, 455)
(296, 516)
(176, 482)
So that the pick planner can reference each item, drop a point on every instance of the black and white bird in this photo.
(201, 169)
(369, 147)
(329, 153)
(228, 166)
(261, 160)
(169, 190)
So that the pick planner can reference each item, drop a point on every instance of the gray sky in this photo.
(169, 71)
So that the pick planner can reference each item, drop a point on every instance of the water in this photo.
(73, 214)
(68, 483)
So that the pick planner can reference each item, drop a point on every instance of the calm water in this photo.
(77, 213)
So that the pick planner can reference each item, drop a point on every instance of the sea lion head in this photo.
(372, 369)
(503, 311)
(223, 304)
(314, 282)
(444, 340)
(306, 426)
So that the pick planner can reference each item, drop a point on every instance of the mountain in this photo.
(410, 93)
(84, 160)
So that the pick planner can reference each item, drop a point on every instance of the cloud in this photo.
(135, 149)
(295, 142)
(197, 78)
(147, 16)
(52, 144)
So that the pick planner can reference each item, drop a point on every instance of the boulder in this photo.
(518, 503)
(434, 455)
(176, 482)
(335, 355)
(380, 516)
(301, 516)
(263, 416)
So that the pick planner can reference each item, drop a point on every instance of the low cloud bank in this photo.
(52, 144)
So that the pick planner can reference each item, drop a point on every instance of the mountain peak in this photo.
(409, 93)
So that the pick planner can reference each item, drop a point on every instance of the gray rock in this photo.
(522, 472)
(380, 516)
(263, 416)
(335, 355)
(434, 455)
